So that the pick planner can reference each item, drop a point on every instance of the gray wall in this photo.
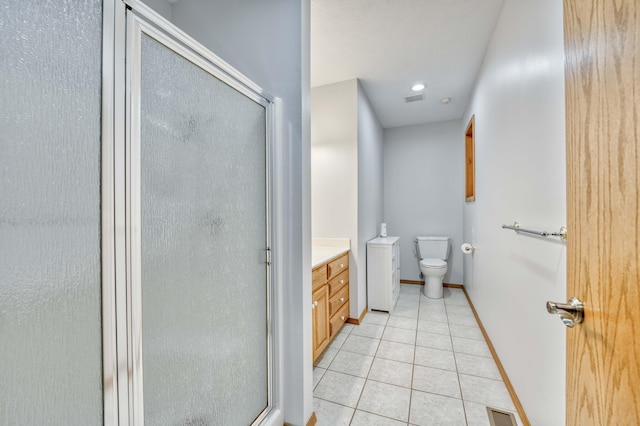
(334, 174)
(424, 190)
(347, 175)
(334, 160)
(264, 41)
(518, 103)
(370, 184)
(163, 7)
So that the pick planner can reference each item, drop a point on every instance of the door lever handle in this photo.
(571, 313)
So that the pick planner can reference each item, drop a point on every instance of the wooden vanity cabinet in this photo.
(330, 301)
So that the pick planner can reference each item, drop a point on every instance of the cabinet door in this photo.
(320, 320)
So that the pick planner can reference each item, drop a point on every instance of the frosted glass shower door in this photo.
(50, 242)
(199, 205)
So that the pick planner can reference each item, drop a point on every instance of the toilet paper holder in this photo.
(467, 248)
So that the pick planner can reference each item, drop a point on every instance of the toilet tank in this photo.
(433, 247)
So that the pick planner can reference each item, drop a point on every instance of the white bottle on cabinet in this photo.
(383, 273)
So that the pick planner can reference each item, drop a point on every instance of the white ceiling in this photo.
(391, 44)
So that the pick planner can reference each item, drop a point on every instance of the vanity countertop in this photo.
(324, 250)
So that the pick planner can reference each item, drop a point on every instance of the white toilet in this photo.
(433, 253)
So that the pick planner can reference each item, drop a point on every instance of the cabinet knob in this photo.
(315, 303)
(342, 318)
(342, 265)
(342, 299)
(341, 281)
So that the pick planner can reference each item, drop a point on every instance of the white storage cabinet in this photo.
(383, 273)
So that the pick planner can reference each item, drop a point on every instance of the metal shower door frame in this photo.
(124, 23)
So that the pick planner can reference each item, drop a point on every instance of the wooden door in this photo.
(602, 46)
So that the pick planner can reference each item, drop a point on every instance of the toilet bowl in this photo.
(433, 253)
(434, 271)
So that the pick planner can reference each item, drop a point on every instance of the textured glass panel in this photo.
(203, 238)
(50, 310)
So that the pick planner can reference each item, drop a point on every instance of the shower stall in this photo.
(136, 224)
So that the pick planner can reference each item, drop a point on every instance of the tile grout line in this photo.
(366, 379)
(413, 367)
(464, 408)
(415, 348)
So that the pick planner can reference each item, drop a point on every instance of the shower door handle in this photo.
(571, 313)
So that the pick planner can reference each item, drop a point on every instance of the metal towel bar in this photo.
(562, 234)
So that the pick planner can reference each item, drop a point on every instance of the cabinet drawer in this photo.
(337, 266)
(336, 283)
(319, 276)
(338, 320)
(338, 300)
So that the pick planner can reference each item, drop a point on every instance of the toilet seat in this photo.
(433, 263)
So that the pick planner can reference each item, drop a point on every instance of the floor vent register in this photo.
(501, 418)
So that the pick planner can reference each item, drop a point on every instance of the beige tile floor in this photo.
(425, 364)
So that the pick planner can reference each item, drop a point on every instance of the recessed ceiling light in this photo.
(445, 100)
(418, 87)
